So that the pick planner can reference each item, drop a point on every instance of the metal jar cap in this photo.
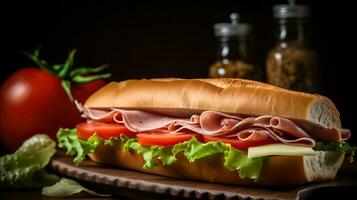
(232, 29)
(291, 11)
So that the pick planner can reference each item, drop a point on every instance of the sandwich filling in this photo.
(160, 137)
(220, 125)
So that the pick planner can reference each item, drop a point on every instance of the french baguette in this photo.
(238, 96)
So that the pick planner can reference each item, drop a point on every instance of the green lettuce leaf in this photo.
(165, 155)
(67, 187)
(150, 154)
(238, 160)
(25, 167)
(193, 150)
(234, 159)
(147, 153)
(67, 139)
(127, 141)
(337, 146)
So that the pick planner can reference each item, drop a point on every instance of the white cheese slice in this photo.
(279, 149)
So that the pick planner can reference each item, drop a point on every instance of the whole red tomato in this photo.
(34, 101)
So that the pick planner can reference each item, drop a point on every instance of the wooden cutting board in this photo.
(139, 185)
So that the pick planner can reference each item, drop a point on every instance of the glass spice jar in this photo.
(234, 51)
(291, 63)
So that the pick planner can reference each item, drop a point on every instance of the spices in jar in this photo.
(234, 51)
(291, 63)
(222, 69)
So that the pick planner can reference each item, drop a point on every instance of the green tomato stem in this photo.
(66, 73)
(67, 65)
(36, 59)
(67, 88)
(86, 79)
(82, 71)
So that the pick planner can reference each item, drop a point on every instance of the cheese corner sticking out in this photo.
(279, 149)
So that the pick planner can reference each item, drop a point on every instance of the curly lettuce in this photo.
(193, 150)
(67, 139)
(350, 151)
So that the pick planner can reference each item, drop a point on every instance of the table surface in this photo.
(32, 194)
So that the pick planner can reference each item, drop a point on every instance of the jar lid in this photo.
(291, 11)
(232, 29)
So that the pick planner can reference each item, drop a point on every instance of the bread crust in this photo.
(225, 95)
(277, 170)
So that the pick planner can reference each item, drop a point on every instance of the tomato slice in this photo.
(103, 130)
(164, 139)
(108, 130)
(238, 144)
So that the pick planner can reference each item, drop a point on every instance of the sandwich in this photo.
(230, 131)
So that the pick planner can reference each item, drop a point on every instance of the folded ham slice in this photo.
(214, 123)
(219, 124)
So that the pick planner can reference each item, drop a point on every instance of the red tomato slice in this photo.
(108, 130)
(103, 130)
(238, 144)
(165, 139)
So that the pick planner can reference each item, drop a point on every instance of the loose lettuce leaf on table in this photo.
(67, 187)
(25, 167)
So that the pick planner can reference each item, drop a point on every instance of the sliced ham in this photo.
(285, 137)
(287, 126)
(94, 114)
(217, 123)
(262, 133)
(330, 135)
(214, 123)
(254, 134)
(139, 121)
(345, 133)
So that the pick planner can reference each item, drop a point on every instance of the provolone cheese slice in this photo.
(279, 149)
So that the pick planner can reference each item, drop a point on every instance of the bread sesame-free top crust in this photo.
(225, 95)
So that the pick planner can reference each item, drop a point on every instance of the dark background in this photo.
(170, 38)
